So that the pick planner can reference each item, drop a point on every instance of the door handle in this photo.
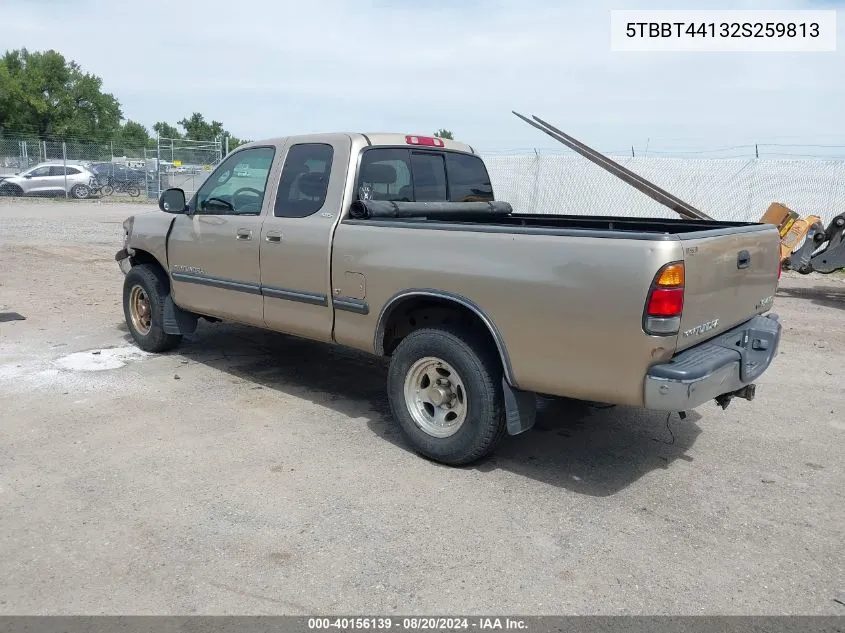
(243, 234)
(273, 236)
(743, 259)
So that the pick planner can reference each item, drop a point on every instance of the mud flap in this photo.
(177, 320)
(520, 408)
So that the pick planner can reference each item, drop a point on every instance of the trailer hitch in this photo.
(746, 393)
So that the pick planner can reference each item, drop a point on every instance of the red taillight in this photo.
(430, 141)
(666, 302)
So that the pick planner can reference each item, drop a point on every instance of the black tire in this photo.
(476, 361)
(154, 285)
(133, 190)
(106, 190)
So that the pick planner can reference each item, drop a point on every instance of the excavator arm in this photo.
(823, 250)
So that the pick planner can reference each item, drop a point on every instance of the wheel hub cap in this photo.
(139, 310)
(435, 397)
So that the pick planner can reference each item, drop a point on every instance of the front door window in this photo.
(238, 185)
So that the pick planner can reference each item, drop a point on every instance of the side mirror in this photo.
(172, 201)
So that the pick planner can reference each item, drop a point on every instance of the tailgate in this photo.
(730, 277)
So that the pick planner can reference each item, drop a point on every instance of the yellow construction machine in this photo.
(822, 249)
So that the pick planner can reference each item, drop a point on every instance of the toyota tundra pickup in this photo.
(395, 245)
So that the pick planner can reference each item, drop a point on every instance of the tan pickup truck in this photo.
(394, 244)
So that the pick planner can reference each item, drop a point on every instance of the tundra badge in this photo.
(179, 268)
(701, 329)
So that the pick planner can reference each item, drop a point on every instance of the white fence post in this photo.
(64, 164)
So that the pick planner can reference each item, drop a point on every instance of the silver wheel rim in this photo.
(435, 397)
(81, 191)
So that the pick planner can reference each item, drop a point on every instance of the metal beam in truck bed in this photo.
(648, 188)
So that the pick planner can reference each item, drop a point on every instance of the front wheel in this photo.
(145, 290)
(10, 190)
(133, 190)
(444, 388)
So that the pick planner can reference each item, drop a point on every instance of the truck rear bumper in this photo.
(725, 365)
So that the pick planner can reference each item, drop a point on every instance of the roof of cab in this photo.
(374, 138)
(396, 138)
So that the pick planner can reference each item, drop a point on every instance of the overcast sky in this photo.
(275, 67)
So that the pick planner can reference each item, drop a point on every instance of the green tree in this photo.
(132, 138)
(43, 95)
(165, 130)
(198, 129)
(444, 133)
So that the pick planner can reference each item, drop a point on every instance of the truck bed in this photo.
(567, 292)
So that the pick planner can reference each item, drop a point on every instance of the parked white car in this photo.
(52, 178)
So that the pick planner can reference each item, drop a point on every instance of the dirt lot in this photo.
(253, 473)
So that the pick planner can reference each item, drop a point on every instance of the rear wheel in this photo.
(133, 190)
(444, 387)
(144, 292)
(80, 191)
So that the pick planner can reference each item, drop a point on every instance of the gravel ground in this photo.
(253, 473)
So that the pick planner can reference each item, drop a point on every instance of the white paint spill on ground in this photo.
(100, 360)
(87, 370)
(11, 370)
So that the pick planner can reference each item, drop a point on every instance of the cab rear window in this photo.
(411, 175)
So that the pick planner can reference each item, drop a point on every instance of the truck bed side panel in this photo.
(568, 308)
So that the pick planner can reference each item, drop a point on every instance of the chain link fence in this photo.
(59, 168)
(726, 189)
(186, 164)
(535, 182)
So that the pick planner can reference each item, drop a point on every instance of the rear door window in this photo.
(304, 182)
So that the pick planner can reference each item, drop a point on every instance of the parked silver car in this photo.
(51, 178)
